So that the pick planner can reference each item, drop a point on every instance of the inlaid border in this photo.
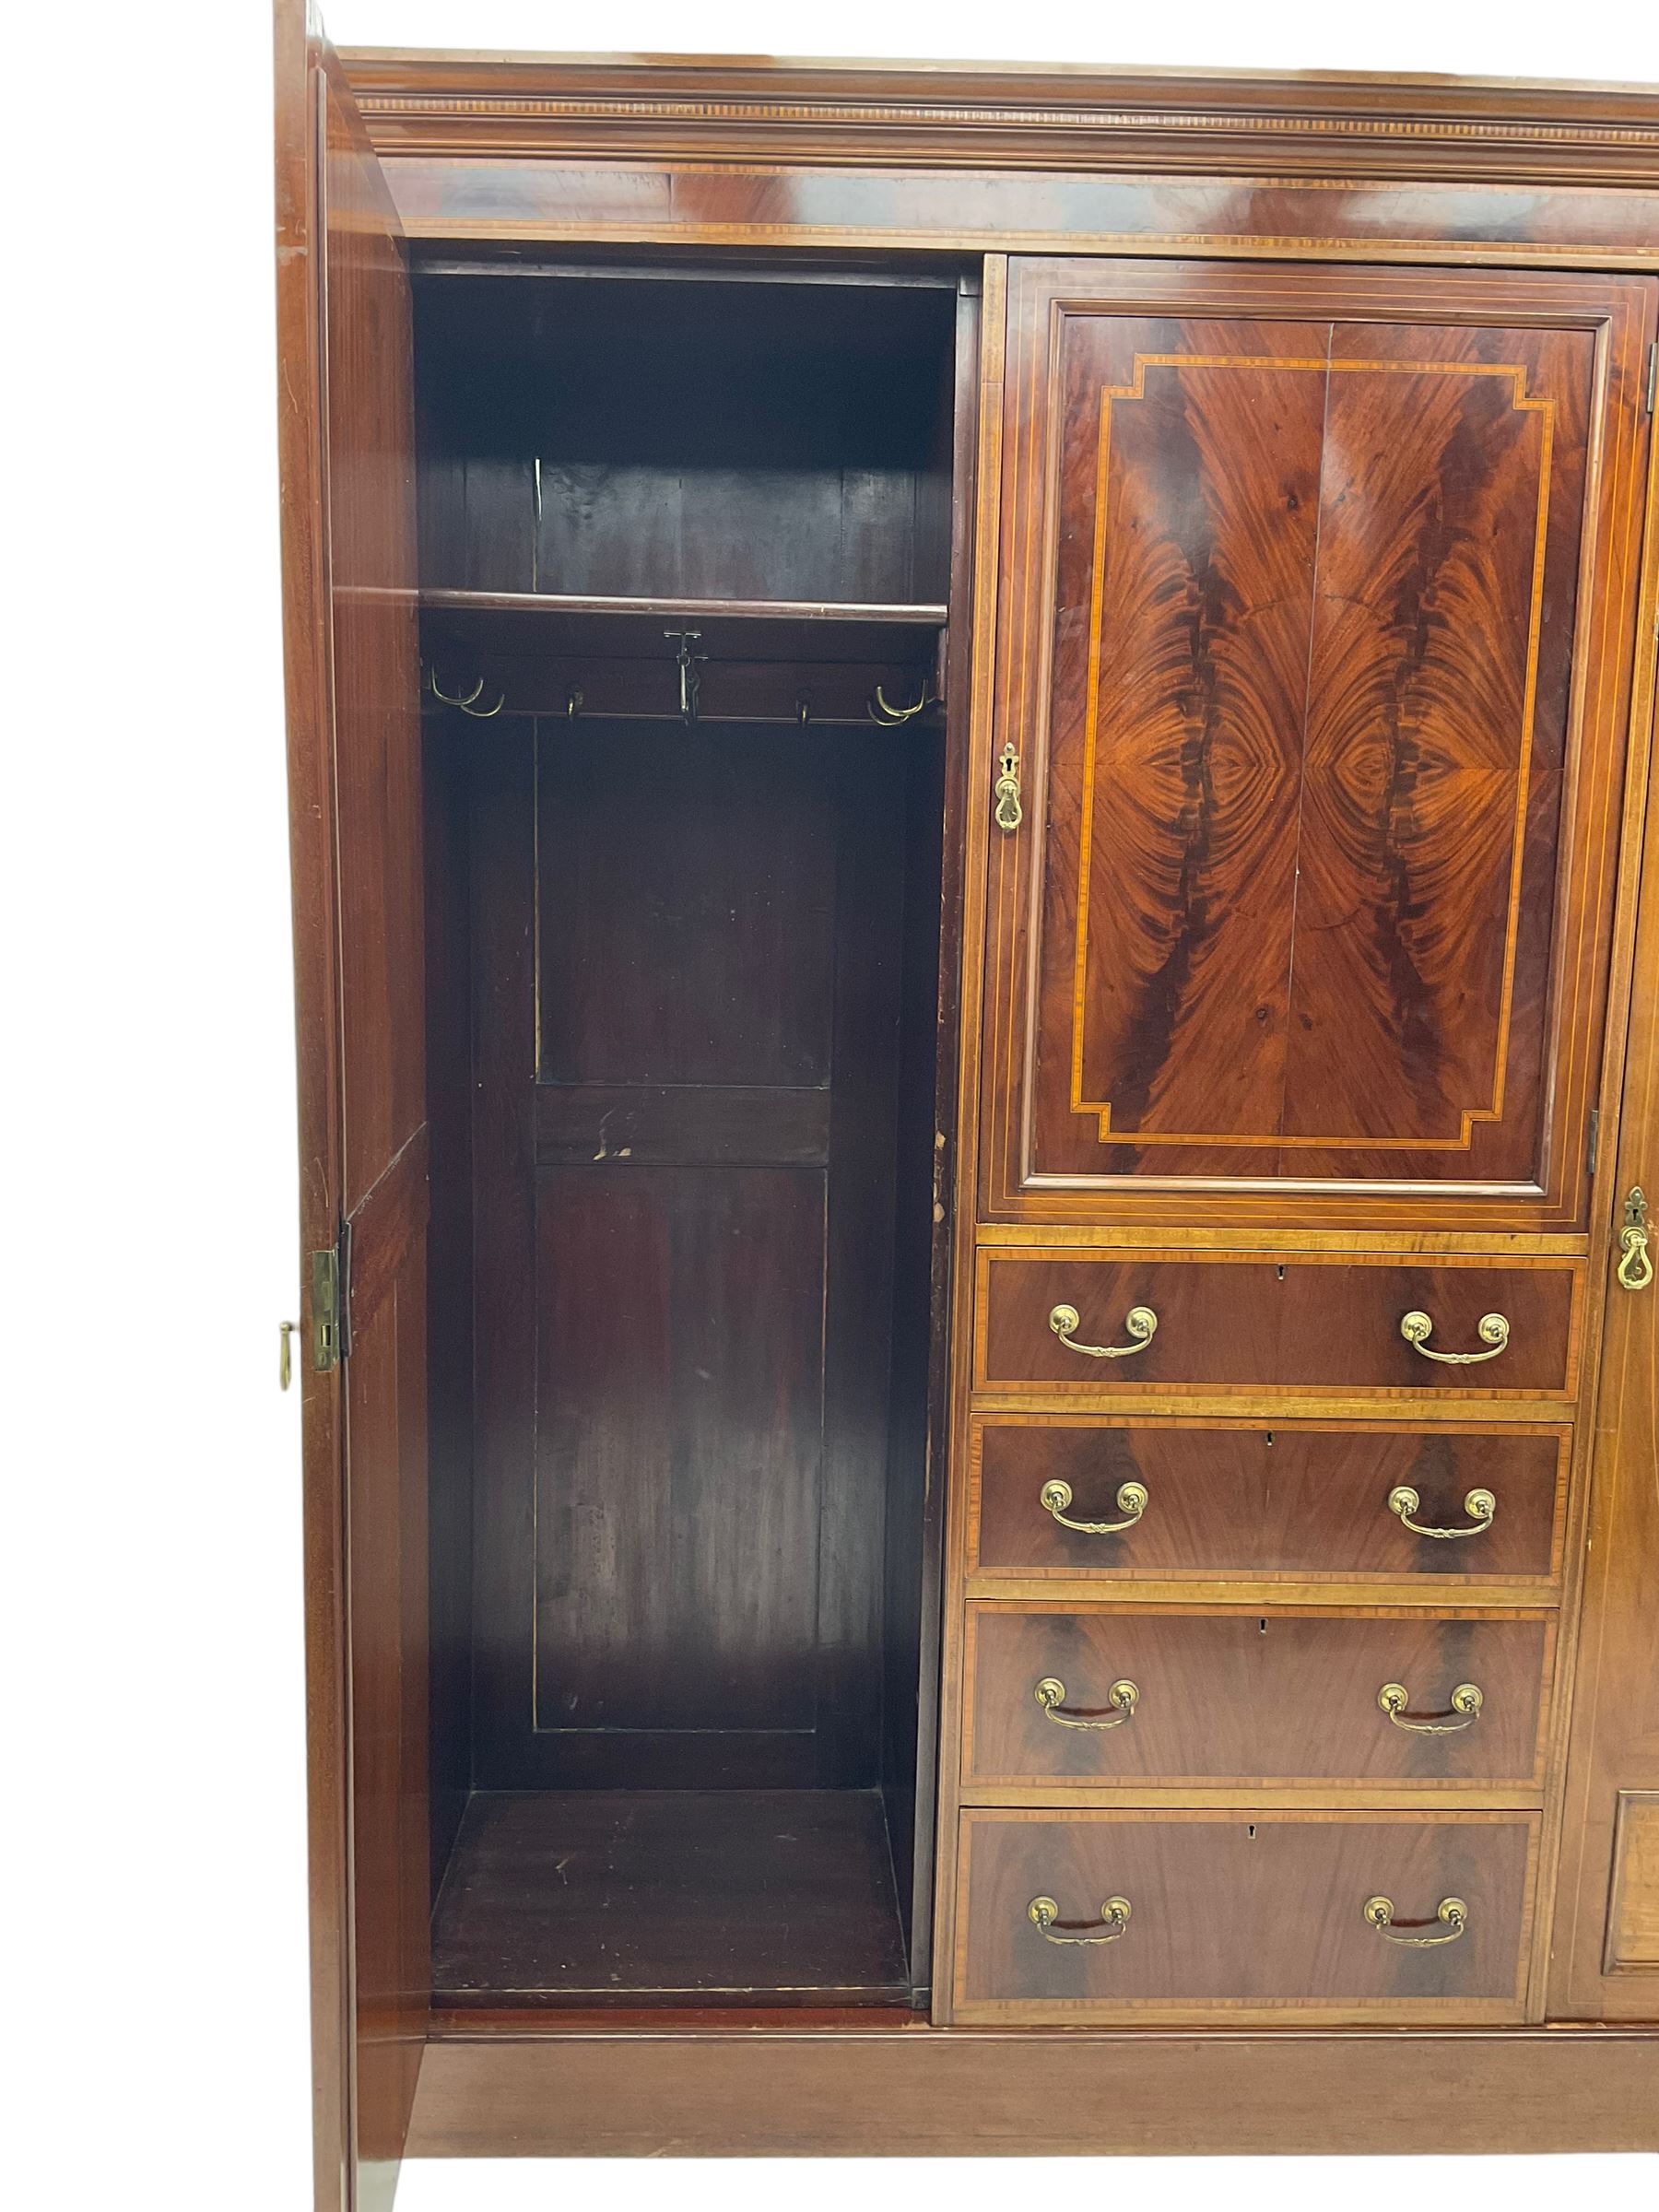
(1134, 390)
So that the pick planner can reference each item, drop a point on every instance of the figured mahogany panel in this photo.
(1434, 746)
(1241, 1911)
(1237, 1322)
(1302, 677)
(1254, 1498)
(1229, 1695)
(1306, 666)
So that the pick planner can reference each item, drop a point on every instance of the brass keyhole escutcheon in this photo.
(1635, 1259)
(1008, 811)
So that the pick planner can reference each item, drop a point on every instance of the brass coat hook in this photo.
(460, 700)
(686, 661)
(465, 700)
(882, 709)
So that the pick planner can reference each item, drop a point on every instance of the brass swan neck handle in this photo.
(1452, 1912)
(1140, 1321)
(1133, 1499)
(1480, 1506)
(1122, 1697)
(1468, 1699)
(1044, 1915)
(1491, 1328)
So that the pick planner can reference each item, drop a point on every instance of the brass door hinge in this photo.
(331, 1303)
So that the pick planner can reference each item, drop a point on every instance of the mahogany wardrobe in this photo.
(977, 909)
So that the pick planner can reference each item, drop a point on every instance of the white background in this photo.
(154, 1931)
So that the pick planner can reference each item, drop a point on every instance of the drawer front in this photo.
(1303, 1323)
(1107, 1695)
(1250, 1910)
(1255, 1499)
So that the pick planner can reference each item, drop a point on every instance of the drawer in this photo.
(1254, 1498)
(1243, 1912)
(1111, 1695)
(1241, 1323)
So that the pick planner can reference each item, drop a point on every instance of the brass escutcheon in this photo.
(1635, 1260)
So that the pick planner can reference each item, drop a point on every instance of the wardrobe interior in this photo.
(693, 582)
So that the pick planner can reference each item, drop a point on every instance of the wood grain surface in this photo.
(1236, 1697)
(1297, 657)
(1246, 1915)
(1300, 1325)
(1264, 1500)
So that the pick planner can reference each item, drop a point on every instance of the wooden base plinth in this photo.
(919, 2091)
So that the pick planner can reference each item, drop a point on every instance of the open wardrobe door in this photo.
(354, 755)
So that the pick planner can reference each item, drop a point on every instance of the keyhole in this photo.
(1280, 1273)
(1261, 1627)
(1250, 1831)
(1270, 1438)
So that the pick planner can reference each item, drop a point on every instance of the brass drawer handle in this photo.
(1050, 1694)
(1045, 1913)
(1132, 1500)
(1480, 1506)
(1467, 1701)
(1491, 1328)
(1140, 1321)
(1635, 1262)
(1451, 1911)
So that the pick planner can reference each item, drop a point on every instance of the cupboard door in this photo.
(1314, 641)
(354, 735)
(1605, 1960)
